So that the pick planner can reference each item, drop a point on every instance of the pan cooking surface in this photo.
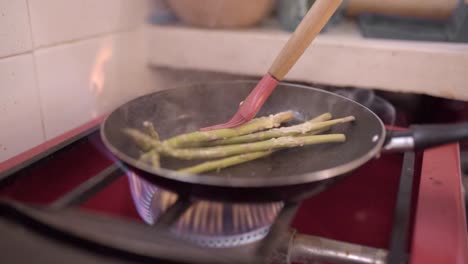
(187, 109)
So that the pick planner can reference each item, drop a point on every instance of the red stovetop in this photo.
(359, 209)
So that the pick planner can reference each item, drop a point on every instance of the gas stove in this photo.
(69, 201)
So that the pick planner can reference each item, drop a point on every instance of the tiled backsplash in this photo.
(15, 33)
(20, 111)
(56, 21)
(63, 62)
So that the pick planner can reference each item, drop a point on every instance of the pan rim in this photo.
(244, 182)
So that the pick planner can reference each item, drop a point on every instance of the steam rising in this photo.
(369, 99)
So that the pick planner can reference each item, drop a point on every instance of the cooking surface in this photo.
(360, 209)
(350, 211)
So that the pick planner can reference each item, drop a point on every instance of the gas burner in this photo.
(206, 223)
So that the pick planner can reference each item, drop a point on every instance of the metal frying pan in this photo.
(287, 174)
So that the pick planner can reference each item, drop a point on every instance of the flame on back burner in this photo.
(211, 224)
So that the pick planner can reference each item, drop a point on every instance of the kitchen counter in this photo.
(339, 57)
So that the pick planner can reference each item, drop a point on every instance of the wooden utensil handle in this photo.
(311, 25)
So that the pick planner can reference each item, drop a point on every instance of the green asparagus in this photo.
(254, 125)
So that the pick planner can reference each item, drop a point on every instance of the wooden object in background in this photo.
(433, 9)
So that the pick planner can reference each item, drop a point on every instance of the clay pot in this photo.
(221, 13)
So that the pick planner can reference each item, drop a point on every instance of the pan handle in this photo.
(421, 137)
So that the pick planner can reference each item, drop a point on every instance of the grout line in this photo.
(68, 42)
(30, 25)
(85, 38)
(38, 90)
(36, 77)
(16, 54)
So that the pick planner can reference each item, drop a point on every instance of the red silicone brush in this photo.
(311, 25)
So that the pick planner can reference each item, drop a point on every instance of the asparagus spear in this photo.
(316, 132)
(264, 135)
(150, 130)
(272, 144)
(152, 157)
(281, 132)
(226, 162)
(303, 128)
(143, 141)
(230, 150)
(254, 125)
(234, 160)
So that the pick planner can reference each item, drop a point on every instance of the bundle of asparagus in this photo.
(229, 147)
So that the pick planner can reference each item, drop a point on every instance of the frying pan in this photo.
(291, 174)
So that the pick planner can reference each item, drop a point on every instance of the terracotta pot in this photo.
(221, 13)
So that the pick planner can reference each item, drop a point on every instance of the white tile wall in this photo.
(20, 118)
(56, 21)
(82, 80)
(64, 62)
(15, 34)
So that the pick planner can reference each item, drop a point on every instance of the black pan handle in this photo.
(421, 137)
(426, 136)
